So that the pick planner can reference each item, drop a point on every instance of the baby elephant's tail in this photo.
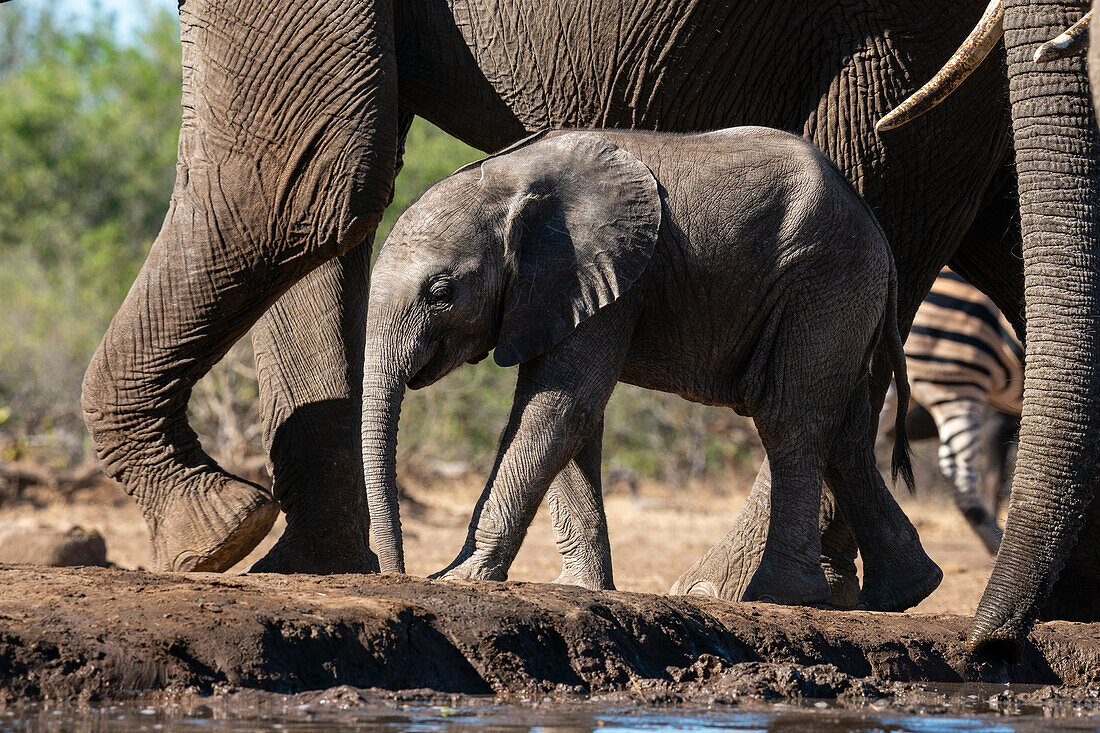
(901, 462)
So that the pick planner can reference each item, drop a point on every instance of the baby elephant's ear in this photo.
(582, 224)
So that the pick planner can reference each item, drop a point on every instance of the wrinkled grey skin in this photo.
(1052, 521)
(285, 166)
(1049, 563)
(734, 268)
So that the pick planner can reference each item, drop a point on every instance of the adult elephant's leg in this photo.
(310, 386)
(286, 158)
(309, 348)
(1059, 184)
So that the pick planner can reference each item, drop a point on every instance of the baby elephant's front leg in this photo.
(580, 524)
(558, 408)
(545, 431)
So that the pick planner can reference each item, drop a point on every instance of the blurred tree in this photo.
(88, 130)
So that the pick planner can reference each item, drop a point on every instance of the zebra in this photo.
(965, 368)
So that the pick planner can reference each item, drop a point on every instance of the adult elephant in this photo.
(294, 114)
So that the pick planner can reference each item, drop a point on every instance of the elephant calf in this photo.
(734, 268)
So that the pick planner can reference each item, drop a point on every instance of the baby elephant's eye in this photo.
(440, 293)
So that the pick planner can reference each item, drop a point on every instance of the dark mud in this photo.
(93, 634)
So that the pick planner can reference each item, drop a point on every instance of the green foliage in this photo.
(88, 129)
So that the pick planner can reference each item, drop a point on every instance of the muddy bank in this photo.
(98, 633)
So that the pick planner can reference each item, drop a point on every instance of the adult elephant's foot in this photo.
(729, 572)
(212, 528)
(725, 570)
(719, 573)
(734, 570)
(900, 580)
(341, 547)
(843, 582)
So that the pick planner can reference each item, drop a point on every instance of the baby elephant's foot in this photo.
(788, 584)
(473, 568)
(899, 582)
(589, 580)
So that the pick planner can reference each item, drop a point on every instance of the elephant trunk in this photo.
(384, 378)
(1059, 189)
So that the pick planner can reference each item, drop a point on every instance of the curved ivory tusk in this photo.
(971, 53)
(1073, 40)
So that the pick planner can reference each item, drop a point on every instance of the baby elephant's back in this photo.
(766, 202)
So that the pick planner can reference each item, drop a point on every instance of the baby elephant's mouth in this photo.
(432, 371)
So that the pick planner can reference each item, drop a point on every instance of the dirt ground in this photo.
(94, 633)
(656, 533)
(91, 634)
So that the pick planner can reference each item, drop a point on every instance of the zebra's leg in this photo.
(963, 461)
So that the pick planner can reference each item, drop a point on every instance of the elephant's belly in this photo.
(693, 382)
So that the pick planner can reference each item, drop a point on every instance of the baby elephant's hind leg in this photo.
(838, 553)
(580, 525)
(797, 396)
(897, 573)
(795, 419)
(790, 569)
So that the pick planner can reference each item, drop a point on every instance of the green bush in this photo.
(88, 129)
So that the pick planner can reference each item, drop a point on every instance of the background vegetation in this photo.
(88, 126)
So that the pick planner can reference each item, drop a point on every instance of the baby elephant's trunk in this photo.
(383, 392)
(901, 462)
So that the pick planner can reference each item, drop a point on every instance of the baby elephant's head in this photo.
(510, 253)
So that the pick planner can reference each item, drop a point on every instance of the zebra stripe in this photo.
(961, 347)
(963, 359)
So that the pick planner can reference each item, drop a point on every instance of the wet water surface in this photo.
(929, 709)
